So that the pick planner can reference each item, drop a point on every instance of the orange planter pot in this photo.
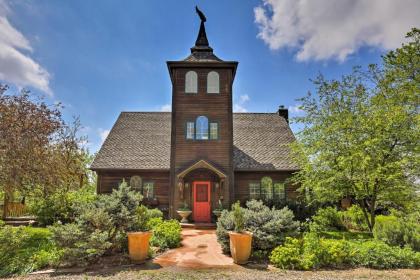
(240, 246)
(138, 245)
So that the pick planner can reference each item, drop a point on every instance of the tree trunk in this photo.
(363, 205)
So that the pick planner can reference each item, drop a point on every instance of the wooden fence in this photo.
(15, 209)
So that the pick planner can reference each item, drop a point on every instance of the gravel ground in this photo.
(242, 273)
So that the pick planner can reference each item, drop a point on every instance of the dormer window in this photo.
(191, 82)
(213, 82)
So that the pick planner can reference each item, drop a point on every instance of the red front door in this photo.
(201, 194)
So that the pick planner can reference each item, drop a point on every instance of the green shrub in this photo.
(269, 227)
(2, 223)
(224, 225)
(354, 219)
(313, 252)
(377, 254)
(347, 235)
(287, 256)
(398, 231)
(100, 227)
(61, 206)
(327, 219)
(25, 249)
(166, 234)
(238, 217)
(143, 218)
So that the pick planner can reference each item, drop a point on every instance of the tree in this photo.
(37, 148)
(360, 135)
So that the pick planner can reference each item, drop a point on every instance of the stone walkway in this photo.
(199, 249)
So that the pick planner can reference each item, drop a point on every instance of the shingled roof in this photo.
(142, 140)
(261, 142)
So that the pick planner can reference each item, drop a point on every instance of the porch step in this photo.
(199, 225)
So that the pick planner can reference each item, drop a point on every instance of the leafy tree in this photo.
(37, 148)
(360, 135)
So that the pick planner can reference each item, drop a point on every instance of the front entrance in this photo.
(201, 196)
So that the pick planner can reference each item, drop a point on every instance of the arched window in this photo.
(191, 82)
(202, 128)
(266, 188)
(213, 82)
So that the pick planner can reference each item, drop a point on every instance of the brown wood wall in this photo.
(187, 107)
(108, 180)
(243, 178)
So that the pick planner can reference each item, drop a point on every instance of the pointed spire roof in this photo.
(202, 50)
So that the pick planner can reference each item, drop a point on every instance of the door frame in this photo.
(208, 183)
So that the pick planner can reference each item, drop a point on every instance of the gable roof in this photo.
(142, 140)
(261, 142)
(138, 140)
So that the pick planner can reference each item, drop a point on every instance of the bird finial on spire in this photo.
(200, 14)
(202, 37)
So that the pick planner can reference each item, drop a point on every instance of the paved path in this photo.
(199, 249)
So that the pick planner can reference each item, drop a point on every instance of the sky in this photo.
(101, 57)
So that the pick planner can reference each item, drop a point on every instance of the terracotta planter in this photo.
(240, 246)
(138, 245)
(184, 215)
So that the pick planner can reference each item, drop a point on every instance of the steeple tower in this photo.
(202, 125)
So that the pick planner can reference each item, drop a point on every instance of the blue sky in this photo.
(102, 57)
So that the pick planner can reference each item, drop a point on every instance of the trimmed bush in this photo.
(143, 218)
(166, 234)
(313, 252)
(25, 249)
(377, 254)
(269, 227)
(327, 219)
(398, 231)
(288, 256)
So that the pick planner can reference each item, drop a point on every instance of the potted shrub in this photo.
(138, 238)
(218, 211)
(184, 212)
(240, 240)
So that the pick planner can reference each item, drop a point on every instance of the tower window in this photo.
(202, 128)
(214, 131)
(213, 82)
(191, 82)
(190, 130)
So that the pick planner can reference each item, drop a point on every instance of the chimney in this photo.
(284, 112)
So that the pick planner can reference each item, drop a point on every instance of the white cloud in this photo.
(103, 133)
(166, 108)
(295, 109)
(238, 106)
(16, 66)
(335, 29)
(243, 98)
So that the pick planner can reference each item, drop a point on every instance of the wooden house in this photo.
(201, 153)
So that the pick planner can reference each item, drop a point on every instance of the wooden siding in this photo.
(243, 178)
(108, 180)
